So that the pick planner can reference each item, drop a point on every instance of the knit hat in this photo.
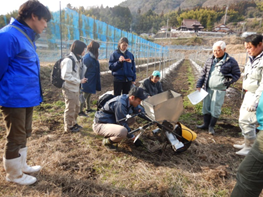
(156, 73)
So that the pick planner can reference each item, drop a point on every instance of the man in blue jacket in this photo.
(111, 121)
(218, 74)
(20, 86)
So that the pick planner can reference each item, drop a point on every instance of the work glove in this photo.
(227, 83)
(252, 107)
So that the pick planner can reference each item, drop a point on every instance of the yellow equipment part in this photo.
(187, 133)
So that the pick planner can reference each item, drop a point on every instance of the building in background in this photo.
(191, 25)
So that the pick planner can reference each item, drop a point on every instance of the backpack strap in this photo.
(24, 34)
(73, 62)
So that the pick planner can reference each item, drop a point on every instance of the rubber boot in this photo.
(212, 124)
(25, 168)
(207, 118)
(248, 145)
(240, 145)
(14, 172)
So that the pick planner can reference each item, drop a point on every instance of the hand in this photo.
(84, 80)
(198, 89)
(121, 59)
(227, 83)
(252, 108)
(134, 82)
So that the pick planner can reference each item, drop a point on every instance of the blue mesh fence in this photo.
(75, 26)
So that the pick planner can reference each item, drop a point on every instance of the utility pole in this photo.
(167, 27)
(225, 15)
(60, 29)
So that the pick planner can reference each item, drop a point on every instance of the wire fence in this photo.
(69, 25)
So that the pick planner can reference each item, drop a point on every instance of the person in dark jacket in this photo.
(123, 68)
(111, 121)
(20, 88)
(152, 86)
(218, 74)
(91, 71)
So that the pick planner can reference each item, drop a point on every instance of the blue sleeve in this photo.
(259, 113)
(133, 68)
(235, 71)
(87, 62)
(8, 51)
(114, 63)
(120, 113)
(201, 79)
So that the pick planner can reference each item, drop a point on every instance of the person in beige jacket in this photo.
(253, 86)
(71, 86)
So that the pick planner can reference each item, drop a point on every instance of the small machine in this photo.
(164, 110)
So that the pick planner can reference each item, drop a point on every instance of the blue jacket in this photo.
(115, 110)
(93, 75)
(230, 69)
(19, 67)
(122, 71)
(259, 113)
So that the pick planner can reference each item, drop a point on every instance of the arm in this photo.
(159, 87)
(114, 63)
(66, 72)
(144, 86)
(134, 69)
(235, 72)
(8, 50)
(120, 113)
(201, 79)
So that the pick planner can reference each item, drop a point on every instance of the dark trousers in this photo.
(121, 87)
(18, 123)
(250, 174)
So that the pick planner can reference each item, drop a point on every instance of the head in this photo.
(35, 14)
(136, 95)
(78, 48)
(253, 44)
(155, 76)
(123, 44)
(93, 47)
(219, 49)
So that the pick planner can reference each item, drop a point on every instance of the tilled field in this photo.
(77, 164)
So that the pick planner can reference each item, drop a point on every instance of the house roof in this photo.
(222, 28)
(190, 23)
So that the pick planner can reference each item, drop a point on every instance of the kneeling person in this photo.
(111, 122)
(152, 86)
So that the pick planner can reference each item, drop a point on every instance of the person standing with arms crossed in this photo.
(20, 87)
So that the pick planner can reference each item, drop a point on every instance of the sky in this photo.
(53, 5)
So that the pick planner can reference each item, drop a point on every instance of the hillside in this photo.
(164, 6)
